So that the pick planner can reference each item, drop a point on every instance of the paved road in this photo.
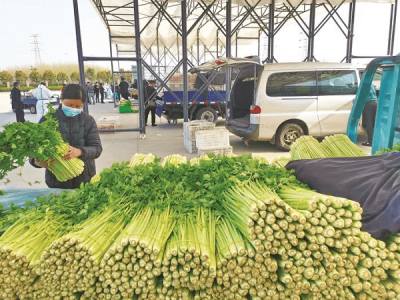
(163, 140)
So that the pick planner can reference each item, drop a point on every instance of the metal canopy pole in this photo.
(271, 32)
(112, 70)
(392, 28)
(184, 62)
(228, 54)
(217, 43)
(198, 47)
(79, 48)
(139, 67)
(310, 54)
(350, 32)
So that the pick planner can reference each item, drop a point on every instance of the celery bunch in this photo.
(338, 145)
(41, 140)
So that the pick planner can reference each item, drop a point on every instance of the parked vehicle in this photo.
(30, 101)
(198, 107)
(283, 101)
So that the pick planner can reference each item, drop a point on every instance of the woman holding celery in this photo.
(79, 129)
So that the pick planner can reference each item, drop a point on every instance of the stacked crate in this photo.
(111, 122)
(189, 133)
(213, 141)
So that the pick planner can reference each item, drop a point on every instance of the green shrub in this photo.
(5, 77)
(27, 88)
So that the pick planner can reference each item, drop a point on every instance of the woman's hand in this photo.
(72, 152)
(49, 164)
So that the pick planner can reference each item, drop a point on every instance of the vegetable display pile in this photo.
(215, 227)
(338, 145)
(387, 150)
(41, 140)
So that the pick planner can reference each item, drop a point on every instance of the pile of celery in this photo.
(338, 145)
(216, 227)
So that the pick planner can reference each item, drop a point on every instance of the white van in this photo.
(280, 102)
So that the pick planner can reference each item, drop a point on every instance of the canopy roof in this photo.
(162, 19)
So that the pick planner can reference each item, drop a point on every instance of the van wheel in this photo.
(287, 134)
(207, 114)
(32, 109)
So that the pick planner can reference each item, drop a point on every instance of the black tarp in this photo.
(373, 181)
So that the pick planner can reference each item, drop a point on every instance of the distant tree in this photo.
(49, 76)
(125, 74)
(74, 77)
(34, 76)
(61, 76)
(20, 76)
(90, 74)
(108, 76)
(5, 77)
(104, 76)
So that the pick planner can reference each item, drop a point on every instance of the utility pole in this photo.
(36, 48)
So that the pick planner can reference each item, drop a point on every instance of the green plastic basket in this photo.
(125, 109)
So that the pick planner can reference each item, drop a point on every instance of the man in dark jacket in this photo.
(150, 93)
(96, 92)
(16, 103)
(123, 88)
(78, 129)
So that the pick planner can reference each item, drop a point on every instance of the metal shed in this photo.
(148, 32)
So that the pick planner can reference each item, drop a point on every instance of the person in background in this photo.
(117, 94)
(101, 88)
(150, 93)
(79, 129)
(109, 92)
(96, 92)
(63, 88)
(16, 102)
(90, 92)
(123, 88)
(43, 96)
(369, 115)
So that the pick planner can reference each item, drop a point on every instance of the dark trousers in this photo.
(125, 96)
(102, 97)
(19, 112)
(153, 114)
(97, 96)
(369, 115)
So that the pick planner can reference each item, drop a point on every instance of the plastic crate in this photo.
(190, 146)
(190, 128)
(108, 122)
(221, 151)
(212, 139)
(125, 109)
(189, 133)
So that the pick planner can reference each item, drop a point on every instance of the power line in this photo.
(36, 47)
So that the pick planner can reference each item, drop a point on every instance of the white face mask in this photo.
(71, 112)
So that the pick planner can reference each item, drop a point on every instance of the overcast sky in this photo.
(53, 20)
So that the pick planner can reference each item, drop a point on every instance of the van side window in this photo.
(292, 84)
(343, 82)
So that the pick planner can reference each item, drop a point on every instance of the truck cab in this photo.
(30, 101)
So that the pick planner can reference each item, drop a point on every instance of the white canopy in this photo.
(117, 15)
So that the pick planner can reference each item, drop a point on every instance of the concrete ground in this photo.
(162, 140)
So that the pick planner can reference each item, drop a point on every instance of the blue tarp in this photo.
(373, 181)
(21, 195)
